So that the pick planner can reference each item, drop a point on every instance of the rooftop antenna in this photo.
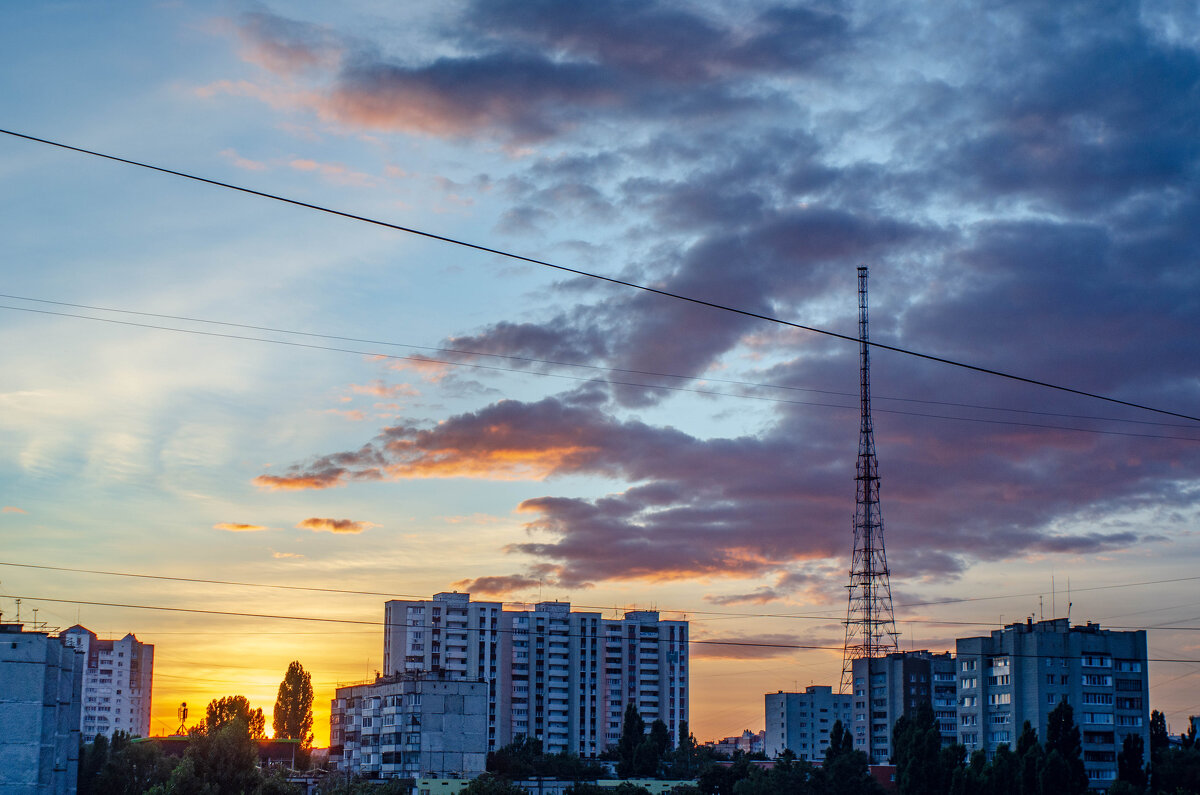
(870, 622)
(18, 611)
(1069, 602)
(1053, 595)
(182, 713)
(1041, 609)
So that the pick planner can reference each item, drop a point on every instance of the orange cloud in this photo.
(236, 527)
(281, 555)
(11, 509)
(318, 525)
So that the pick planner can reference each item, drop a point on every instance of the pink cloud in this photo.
(241, 162)
(11, 509)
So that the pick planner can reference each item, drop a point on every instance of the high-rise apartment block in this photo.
(41, 683)
(117, 684)
(1021, 673)
(559, 675)
(410, 726)
(899, 682)
(802, 721)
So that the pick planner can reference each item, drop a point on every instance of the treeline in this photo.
(221, 757)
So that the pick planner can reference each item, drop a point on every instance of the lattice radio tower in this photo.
(870, 623)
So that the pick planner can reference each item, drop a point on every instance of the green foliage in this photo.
(917, 746)
(840, 742)
(335, 783)
(121, 767)
(1159, 740)
(685, 760)
(1130, 768)
(788, 775)
(1062, 736)
(293, 716)
(640, 754)
(489, 784)
(1188, 738)
(230, 709)
(524, 759)
(223, 762)
(1177, 771)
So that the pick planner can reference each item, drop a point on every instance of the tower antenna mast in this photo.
(870, 622)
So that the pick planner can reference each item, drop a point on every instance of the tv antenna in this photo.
(182, 713)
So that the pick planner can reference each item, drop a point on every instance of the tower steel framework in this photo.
(870, 622)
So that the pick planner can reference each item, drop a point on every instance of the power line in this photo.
(609, 381)
(608, 279)
(515, 631)
(560, 363)
(728, 614)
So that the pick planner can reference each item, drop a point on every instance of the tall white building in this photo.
(117, 683)
(802, 721)
(1021, 673)
(559, 675)
(41, 682)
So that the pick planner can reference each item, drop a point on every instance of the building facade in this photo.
(1022, 672)
(802, 721)
(899, 682)
(41, 684)
(559, 675)
(410, 726)
(117, 684)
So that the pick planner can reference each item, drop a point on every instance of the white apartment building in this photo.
(117, 683)
(802, 721)
(1022, 672)
(559, 675)
(410, 726)
(41, 683)
(899, 682)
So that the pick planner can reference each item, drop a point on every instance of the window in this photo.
(1096, 661)
(999, 698)
(1098, 718)
(1098, 698)
(1097, 680)
(1129, 666)
(1129, 720)
(970, 701)
(968, 665)
(969, 720)
(1001, 679)
(970, 683)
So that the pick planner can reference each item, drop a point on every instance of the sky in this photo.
(203, 384)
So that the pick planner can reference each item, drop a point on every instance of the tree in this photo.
(917, 745)
(490, 784)
(1062, 735)
(633, 730)
(1188, 738)
(1130, 762)
(846, 770)
(223, 711)
(293, 716)
(121, 766)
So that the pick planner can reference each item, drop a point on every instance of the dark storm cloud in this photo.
(1021, 178)
(530, 71)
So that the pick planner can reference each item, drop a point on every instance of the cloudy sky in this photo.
(199, 383)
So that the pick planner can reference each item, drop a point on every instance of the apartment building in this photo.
(802, 721)
(41, 684)
(898, 683)
(559, 675)
(117, 683)
(1021, 673)
(410, 726)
